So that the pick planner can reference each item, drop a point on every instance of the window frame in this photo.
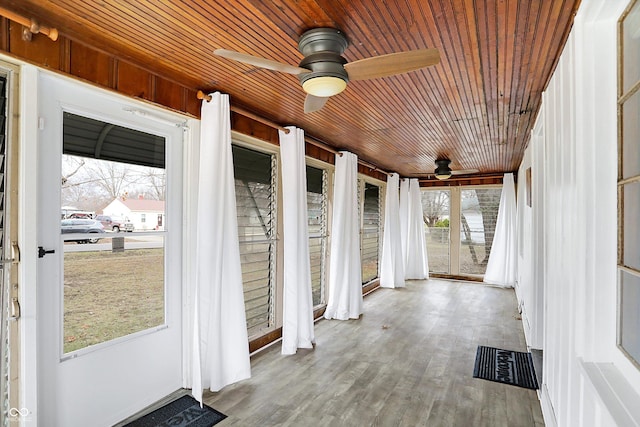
(622, 97)
(459, 243)
(362, 185)
(440, 189)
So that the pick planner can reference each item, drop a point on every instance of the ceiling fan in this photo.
(443, 171)
(324, 72)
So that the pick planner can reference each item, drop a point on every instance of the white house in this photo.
(145, 214)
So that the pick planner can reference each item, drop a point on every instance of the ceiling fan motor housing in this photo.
(322, 49)
(443, 171)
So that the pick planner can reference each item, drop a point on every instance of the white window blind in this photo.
(370, 236)
(255, 177)
(317, 212)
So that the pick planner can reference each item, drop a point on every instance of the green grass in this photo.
(109, 295)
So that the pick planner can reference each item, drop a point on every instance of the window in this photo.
(461, 222)
(255, 177)
(105, 168)
(478, 215)
(629, 184)
(370, 235)
(317, 212)
(436, 208)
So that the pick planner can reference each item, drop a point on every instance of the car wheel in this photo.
(116, 229)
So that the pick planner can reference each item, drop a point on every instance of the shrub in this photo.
(443, 223)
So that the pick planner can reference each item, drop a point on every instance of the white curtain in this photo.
(345, 276)
(297, 323)
(392, 261)
(404, 218)
(501, 267)
(417, 264)
(220, 344)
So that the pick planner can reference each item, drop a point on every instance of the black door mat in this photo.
(505, 366)
(183, 412)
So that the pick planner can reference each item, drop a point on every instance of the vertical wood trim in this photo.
(65, 55)
(116, 66)
(153, 87)
(454, 231)
(113, 73)
(4, 34)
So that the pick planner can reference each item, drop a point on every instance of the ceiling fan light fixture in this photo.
(443, 175)
(324, 86)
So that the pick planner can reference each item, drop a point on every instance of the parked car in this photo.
(115, 223)
(68, 226)
(82, 215)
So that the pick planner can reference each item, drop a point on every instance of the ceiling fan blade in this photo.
(260, 62)
(464, 172)
(453, 172)
(314, 103)
(391, 64)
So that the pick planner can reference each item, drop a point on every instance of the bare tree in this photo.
(83, 197)
(114, 178)
(90, 184)
(75, 164)
(435, 205)
(156, 178)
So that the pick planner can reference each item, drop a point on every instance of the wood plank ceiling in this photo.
(476, 107)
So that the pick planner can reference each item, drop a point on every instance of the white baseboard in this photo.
(548, 413)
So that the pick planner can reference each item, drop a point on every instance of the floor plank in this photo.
(408, 361)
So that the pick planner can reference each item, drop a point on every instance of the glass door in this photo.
(109, 282)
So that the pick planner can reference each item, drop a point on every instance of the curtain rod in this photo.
(242, 111)
(322, 145)
(31, 24)
(310, 140)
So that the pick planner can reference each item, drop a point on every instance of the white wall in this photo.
(567, 278)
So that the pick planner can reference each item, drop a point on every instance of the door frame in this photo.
(27, 239)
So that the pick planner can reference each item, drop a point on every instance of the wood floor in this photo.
(408, 361)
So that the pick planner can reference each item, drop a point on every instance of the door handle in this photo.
(15, 309)
(42, 252)
(15, 252)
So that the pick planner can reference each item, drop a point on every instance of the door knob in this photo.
(42, 251)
